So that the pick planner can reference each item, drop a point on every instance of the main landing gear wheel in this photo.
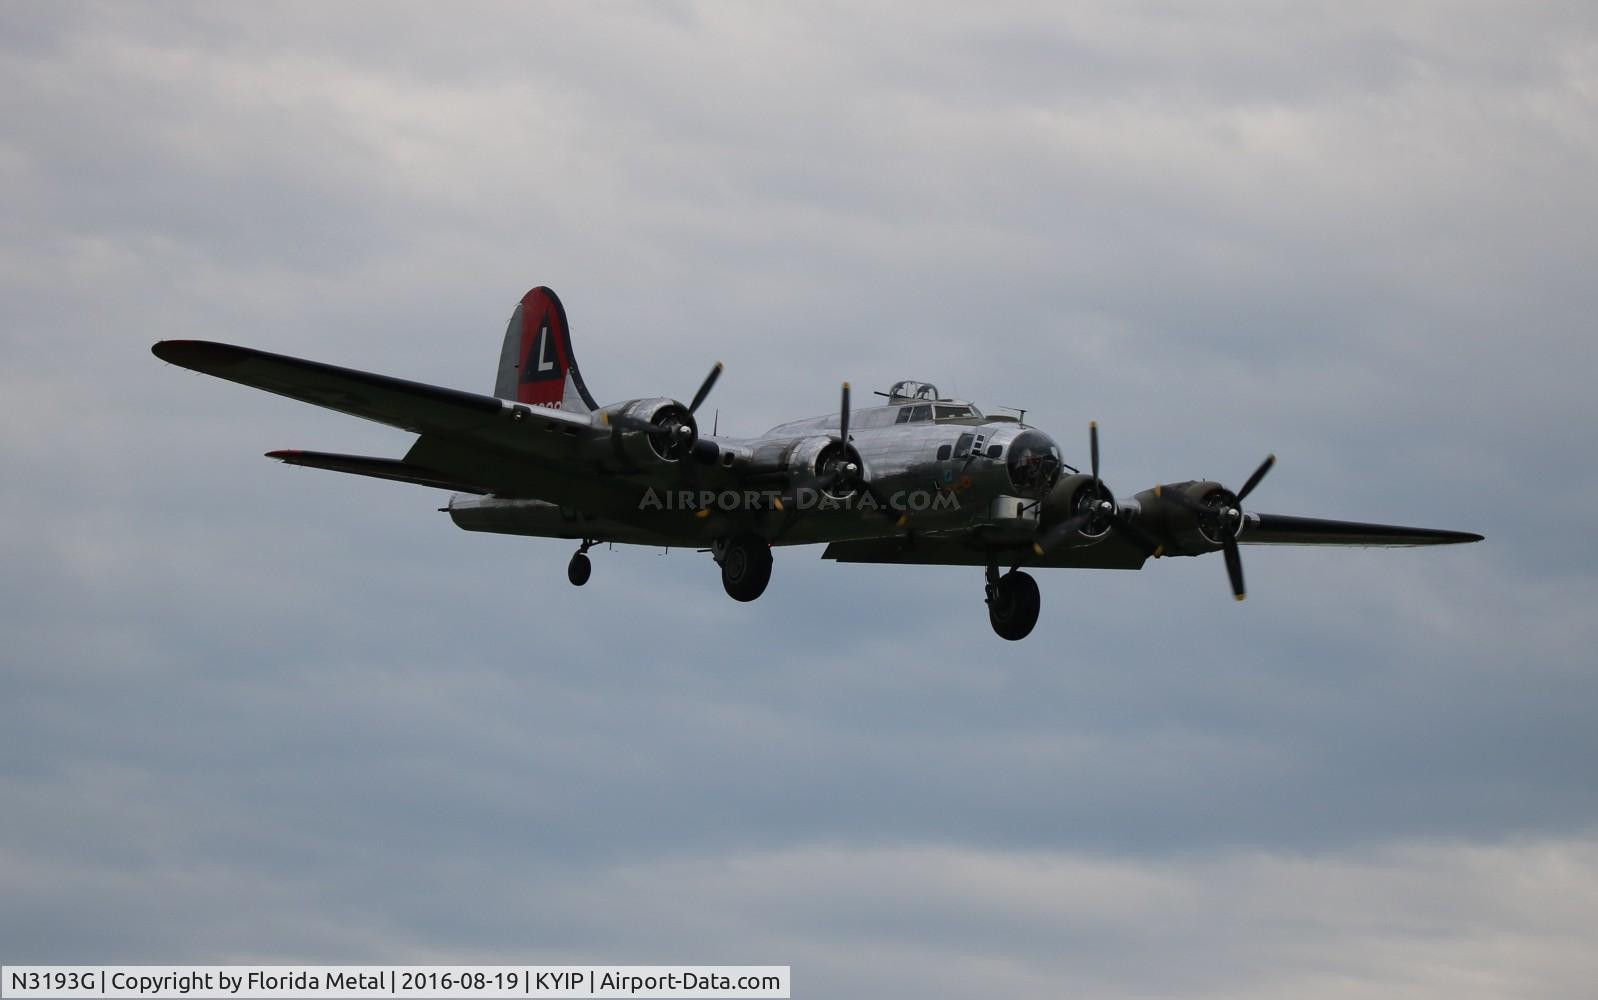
(745, 567)
(1013, 604)
(580, 569)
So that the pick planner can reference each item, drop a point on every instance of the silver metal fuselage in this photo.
(939, 476)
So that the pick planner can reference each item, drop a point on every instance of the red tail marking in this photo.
(541, 377)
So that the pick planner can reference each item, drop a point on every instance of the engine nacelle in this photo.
(816, 458)
(1180, 528)
(1074, 495)
(638, 449)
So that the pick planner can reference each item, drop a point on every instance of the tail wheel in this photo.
(1013, 605)
(746, 567)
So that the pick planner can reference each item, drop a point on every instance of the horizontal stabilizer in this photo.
(377, 468)
(1284, 529)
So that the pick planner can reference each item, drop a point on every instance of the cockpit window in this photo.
(904, 415)
(941, 412)
(919, 413)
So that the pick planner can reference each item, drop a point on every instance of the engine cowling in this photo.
(675, 441)
(1073, 495)
(826, 463)
(1187, 528)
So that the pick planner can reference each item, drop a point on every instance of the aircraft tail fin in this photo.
(536, 364)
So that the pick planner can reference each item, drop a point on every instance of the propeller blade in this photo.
(843, 418)
(1254, 480)
(1234, 564)
(1134, 533)
(704, 388)
(1053, 538)
(1093, 449)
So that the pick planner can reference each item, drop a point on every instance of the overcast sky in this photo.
(257, 713)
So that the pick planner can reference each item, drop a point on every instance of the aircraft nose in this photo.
(1034, 461)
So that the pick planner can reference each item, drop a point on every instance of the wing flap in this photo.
(1112, 553)
(1285, 529)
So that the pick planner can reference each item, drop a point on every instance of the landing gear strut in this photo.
(745, 565)
(580, 569)
(1013, 603)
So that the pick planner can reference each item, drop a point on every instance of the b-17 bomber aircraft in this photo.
(916, 479)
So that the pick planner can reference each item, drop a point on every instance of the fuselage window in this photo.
(943, 453)
(919, 413)
(995, 450)
(976, 445)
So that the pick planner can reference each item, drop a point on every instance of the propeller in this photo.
(681, 435)
(837, 471)
(1097, 509)
(842, 468)
(1225, 517)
